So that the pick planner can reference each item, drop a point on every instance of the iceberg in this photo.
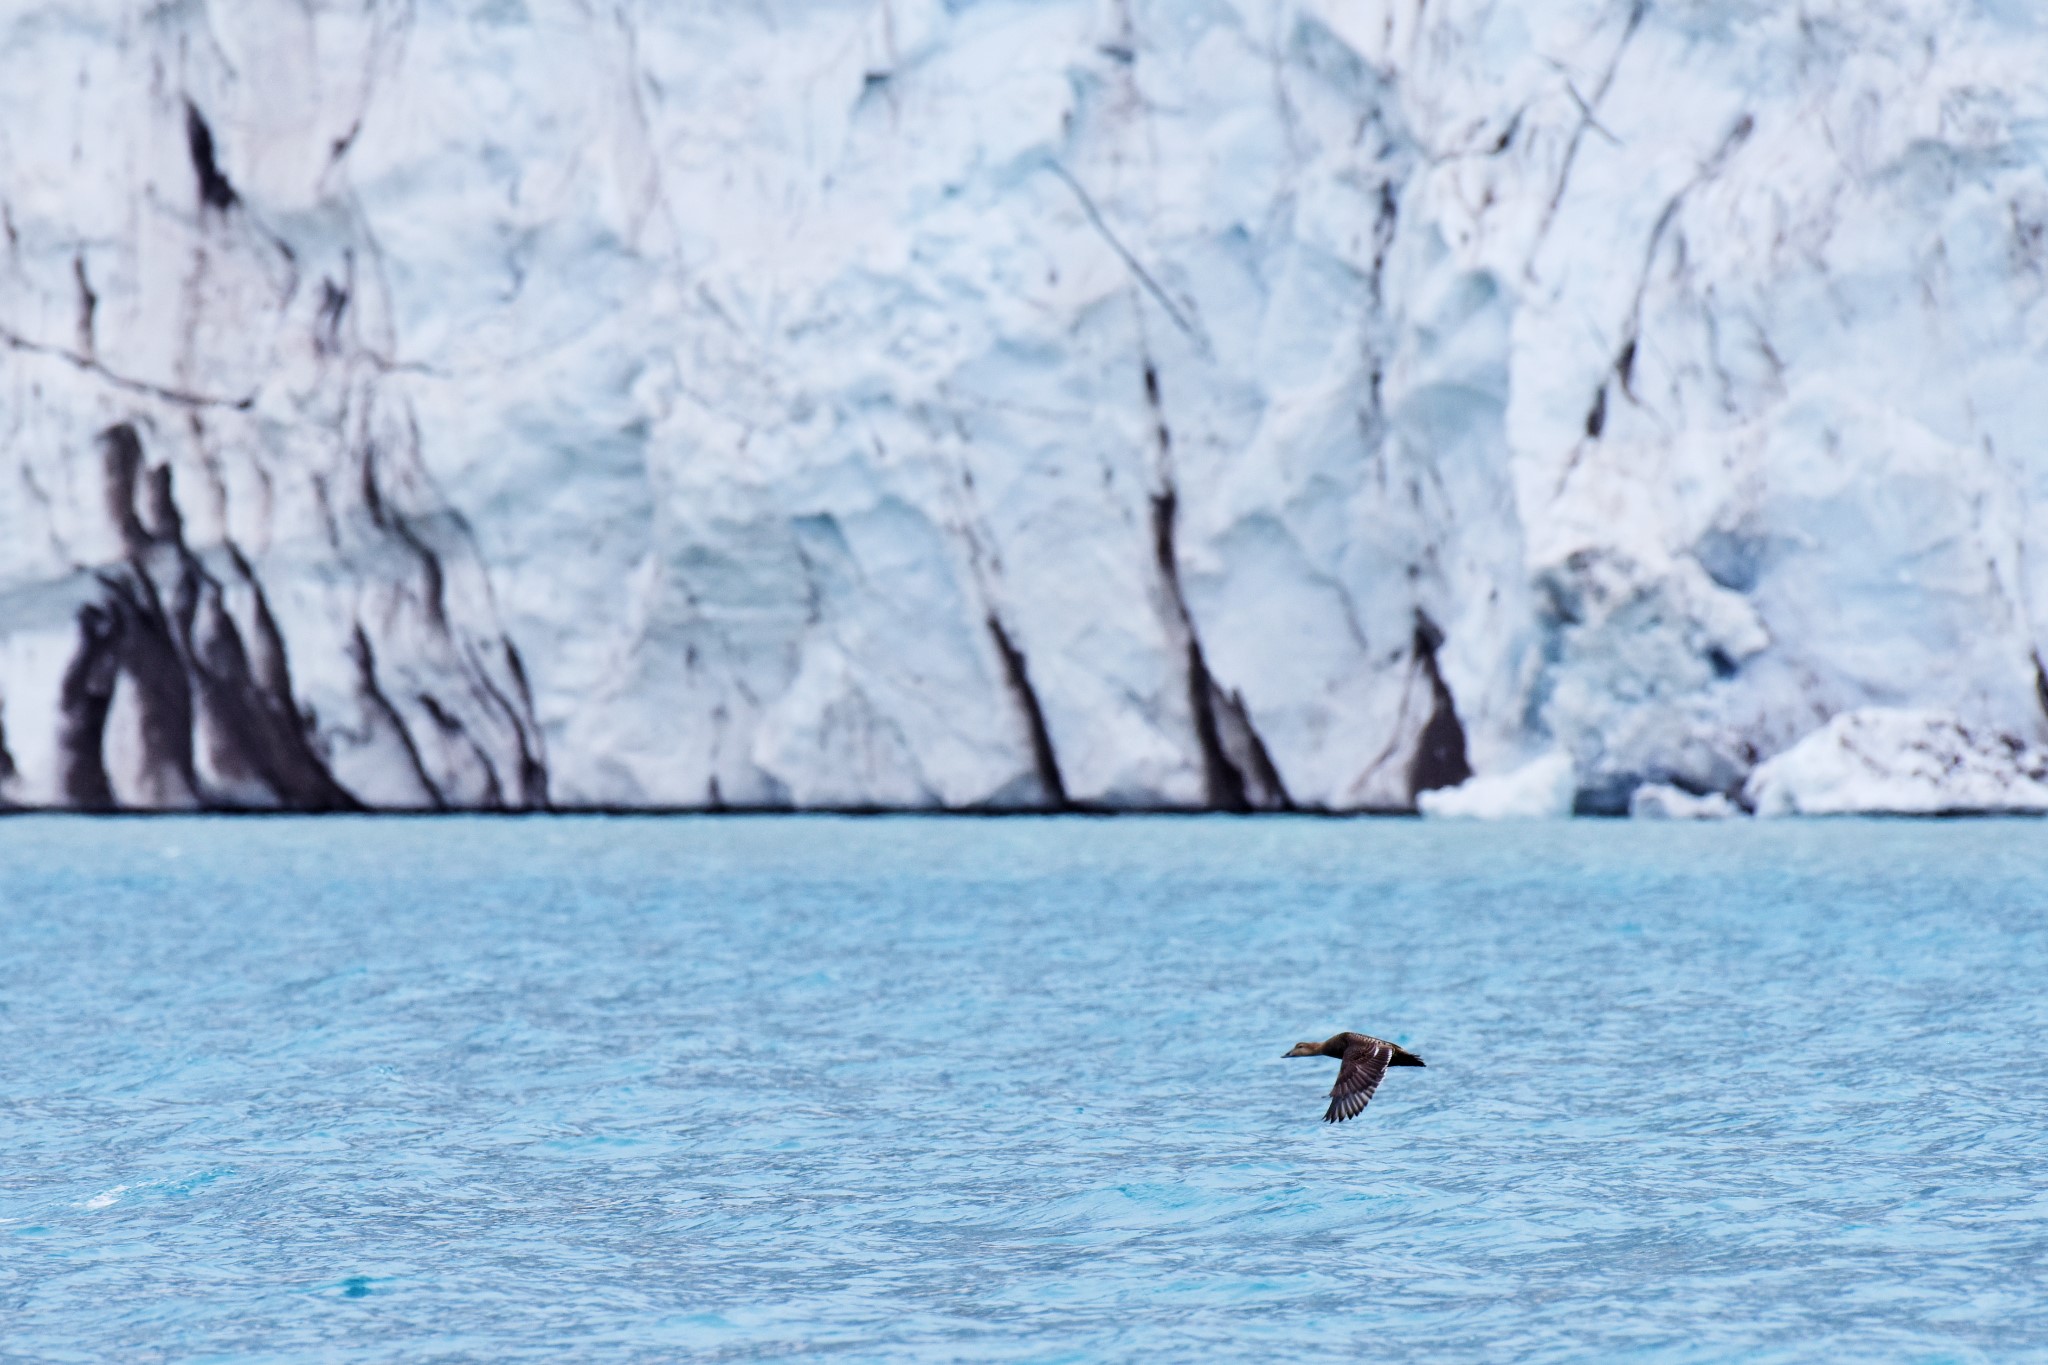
(1538, 790)
(1660, 801)
(1891, 761)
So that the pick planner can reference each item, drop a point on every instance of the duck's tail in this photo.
(1403, 1057)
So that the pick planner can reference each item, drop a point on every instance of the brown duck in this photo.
(1366, 1060)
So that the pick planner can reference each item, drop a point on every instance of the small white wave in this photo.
(106, 1199)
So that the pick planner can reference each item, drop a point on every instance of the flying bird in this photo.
(1366, 1060)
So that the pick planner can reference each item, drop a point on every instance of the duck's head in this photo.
(1305, 1050)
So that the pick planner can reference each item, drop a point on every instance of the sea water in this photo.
(956, 1089)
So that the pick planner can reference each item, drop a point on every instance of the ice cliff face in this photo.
(1246, 403)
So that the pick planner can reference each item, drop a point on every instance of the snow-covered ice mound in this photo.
(1881, 760)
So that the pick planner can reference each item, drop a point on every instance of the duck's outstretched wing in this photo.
(1365, 1065)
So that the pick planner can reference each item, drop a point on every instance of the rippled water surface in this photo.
(958, 1089)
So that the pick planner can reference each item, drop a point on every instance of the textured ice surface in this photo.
(918, 404)
(1917, 762)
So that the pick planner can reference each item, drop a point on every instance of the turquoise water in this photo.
(1012, 1089)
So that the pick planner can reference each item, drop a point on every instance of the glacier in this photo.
(980, 404)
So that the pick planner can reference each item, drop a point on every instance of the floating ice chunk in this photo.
(1657, 801)
(1541, 790)
(1881, 760)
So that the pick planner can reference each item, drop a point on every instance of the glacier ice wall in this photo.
(1236, 403)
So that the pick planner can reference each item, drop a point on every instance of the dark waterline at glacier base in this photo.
(366, 1089)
